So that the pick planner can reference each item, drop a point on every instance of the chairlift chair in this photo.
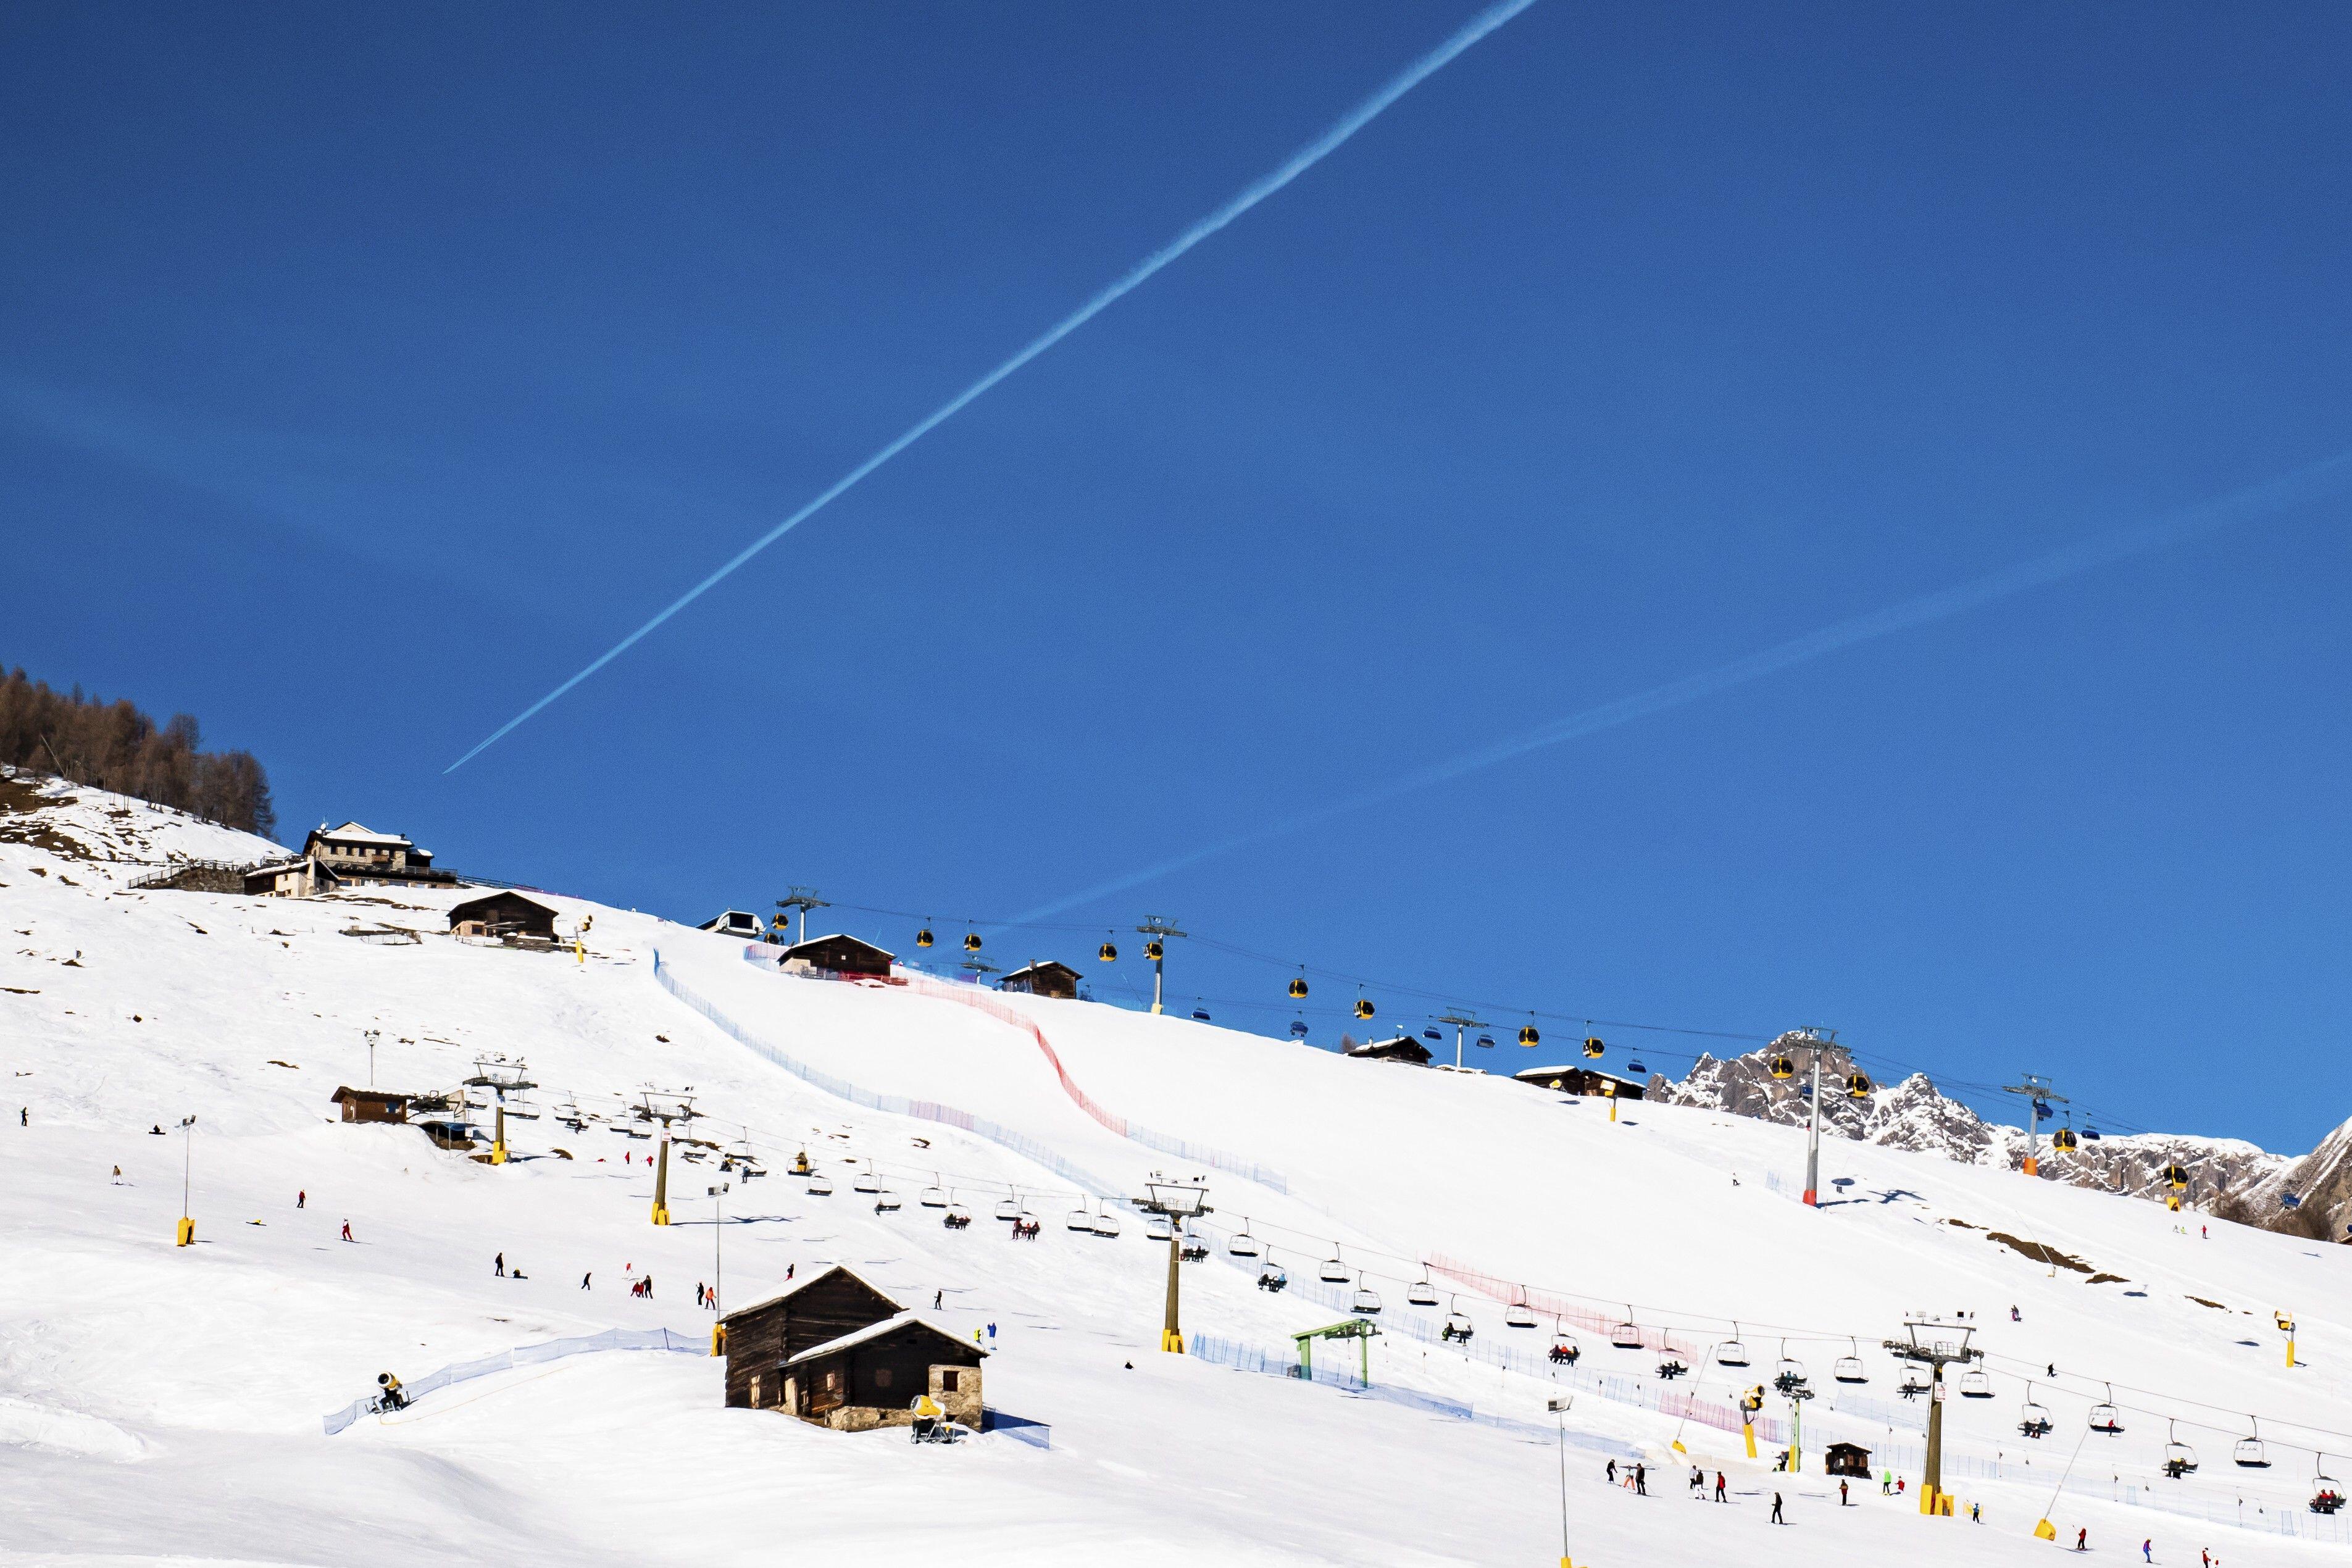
(2032, 1417)
(2180, 1458)
(1271, 1276)
(1458, 1326)
(956, 1217)
(1010, 1209)
(2250, 1454)
(1298, 1028)
(1627, 1335)
(1156, 1228)
(1975, 1383)
(1849, 1368)
(1431, 1034)
(2327, 1492)
(1422, 1293)
(1243, 1244)
(1193, 1249)
(886, 1202)
(1334, 1272)
(1366, 1301)
(1520, 1316)
(1486, 1042)
(1107, 1224)
(933, 1197)
(1731, 1352)
(2104, 1418)
(1564, 1351)
(1080, 1219)
(1635, 1066)
(1788, 1365)
(866, 1182)
(1914, 1384)
(819, 1185)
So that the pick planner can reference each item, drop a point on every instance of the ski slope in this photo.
(159, 1403)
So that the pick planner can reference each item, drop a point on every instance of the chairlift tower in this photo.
(1936, 1351)
(2040, 1097)
(660, 1105)
(499, 1076)
(1158, 928)
(1460, 1021)
(1818, 1042)
(1176, 1202)
(802, 900)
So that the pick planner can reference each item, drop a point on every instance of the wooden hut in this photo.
(1404, 1048)
(505, 915)
(1846, 1459)
(834, 1351)
(372, 1104)
(1044, 977)
(1581, 1081)
(836, 955)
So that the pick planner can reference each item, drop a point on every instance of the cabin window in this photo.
(755, 1391)
(881, 1377)
(948, 1379)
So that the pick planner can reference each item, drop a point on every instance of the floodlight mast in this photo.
(1176, 1200)
(1936, 1354)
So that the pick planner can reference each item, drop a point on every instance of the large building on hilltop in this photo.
(336, 857)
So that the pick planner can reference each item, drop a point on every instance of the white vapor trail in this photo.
(2258, 500)
(1306, 158)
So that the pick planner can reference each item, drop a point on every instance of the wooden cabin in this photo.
(836, 955)
(1846, 1459)
(834, 1351)
(1581, 1081)
(1045, 977)
(372, 1104)
(1404, 1048)
(503, 914)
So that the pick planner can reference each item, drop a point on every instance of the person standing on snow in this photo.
(1612, 1472)
(1641, 1481)
(301, 1198)
(1718, 1488)
(1776, 1509)
(583, 1281)
(347, 1230)
(2148, 1549)
(1842, 1497)
(1886, 1483)
(2083, 1538)
(498, 1266)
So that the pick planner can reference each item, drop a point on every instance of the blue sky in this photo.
(365, 375)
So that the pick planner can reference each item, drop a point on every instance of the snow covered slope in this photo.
(162, 1403)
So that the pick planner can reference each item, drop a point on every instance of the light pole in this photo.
(1178, 1202)
(372, 1035)
(717, 1225)
(1557, 1404)
(187, 1232)
(1157, 928)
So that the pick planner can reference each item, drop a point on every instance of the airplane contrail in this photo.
(1306, 158)
(2272, 495)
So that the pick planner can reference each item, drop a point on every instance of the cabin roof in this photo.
(354, 833)
(882, 1329)
(819, 1278)
(1040, 966)
(815, 943)
(344, 1092)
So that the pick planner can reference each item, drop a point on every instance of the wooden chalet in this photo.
(372, 1104)
(1404, 1048)
(1846, 1459)
(504, 914)
(836, 955)
(1583, 1080)
(836, 1352)
(1044, 977)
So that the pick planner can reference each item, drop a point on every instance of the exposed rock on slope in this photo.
(1914, 1114)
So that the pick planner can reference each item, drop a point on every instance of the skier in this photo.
(936, 1296)
(392, 1398)
(1976, 1513)
(1641, 1481)
(118, 1176)
(1776, 1509)
(2013, 1317)
(498, 1266)
(646, 1285)
(2148, 1549)
(1899, 1484)
(301, 1198)
(1842, 1497)
(583, 1280)
(991, 1333)
(347, 1230)
(2083, 1538)
(1612, 1472)
(1886, 1483)
(24, 1116)
(1718, 1488)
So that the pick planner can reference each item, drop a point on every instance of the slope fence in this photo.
(528, 1355)
(981, 1001)
(1028, 1148)
(1250, 1357)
